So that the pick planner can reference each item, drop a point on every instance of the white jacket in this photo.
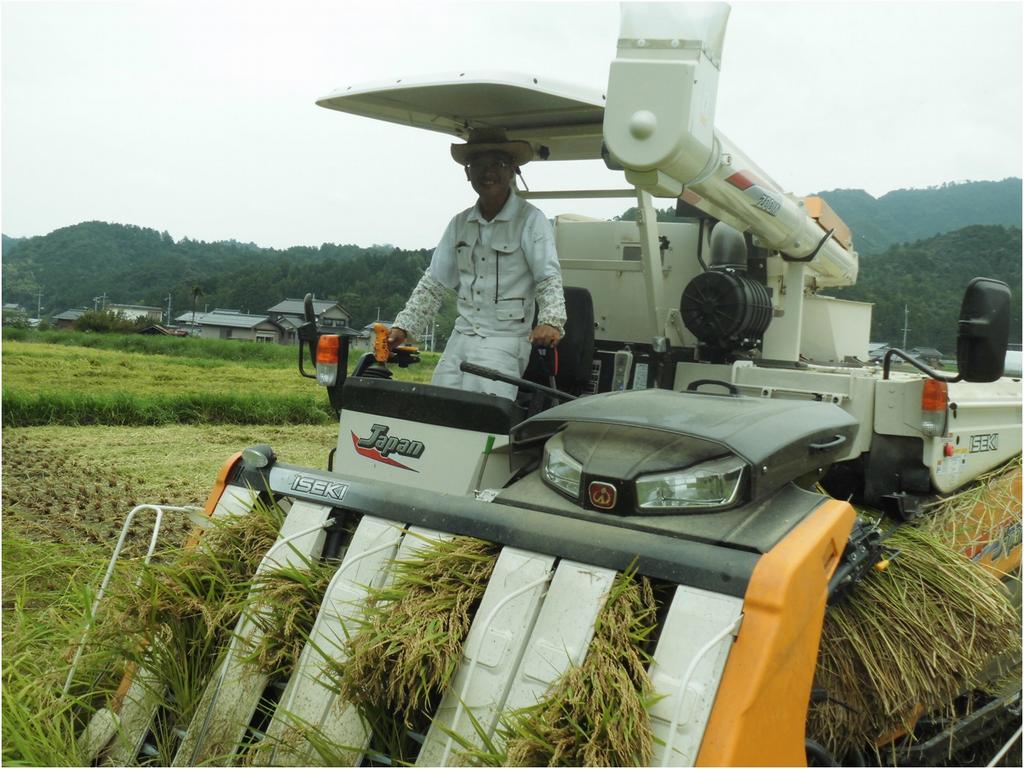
(500, 270)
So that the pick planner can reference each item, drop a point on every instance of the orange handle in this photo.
(381, 349)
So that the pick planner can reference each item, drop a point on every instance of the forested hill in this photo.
(72, 266)
(929, 277)
(903, 216)
(134, 265)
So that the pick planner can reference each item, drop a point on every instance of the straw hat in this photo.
(492, 139)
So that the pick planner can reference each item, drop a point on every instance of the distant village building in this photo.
(157, 330)
(67, 319)
(136, 311)
(876, 351)
(329, 314)
(14, 314)
(929, 355)
(291, 314)
(231, 324)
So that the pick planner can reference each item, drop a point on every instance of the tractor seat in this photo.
(575, 353)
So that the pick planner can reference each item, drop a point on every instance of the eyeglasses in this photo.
(478, 166)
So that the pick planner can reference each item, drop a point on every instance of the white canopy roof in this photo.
(562, 121)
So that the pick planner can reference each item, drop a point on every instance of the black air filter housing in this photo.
(726, 309)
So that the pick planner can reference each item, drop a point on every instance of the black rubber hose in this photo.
(818, 751)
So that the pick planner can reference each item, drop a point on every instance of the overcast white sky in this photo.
(198, 117)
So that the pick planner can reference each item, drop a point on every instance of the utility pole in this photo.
(906, 325)
(39, 305)
(168, 309)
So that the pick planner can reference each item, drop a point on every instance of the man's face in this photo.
(490, 173)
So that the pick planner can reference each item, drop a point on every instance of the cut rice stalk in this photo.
(410, 639)
(912, 638)
(284, 608)
(596, 713)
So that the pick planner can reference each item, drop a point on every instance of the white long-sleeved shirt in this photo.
(500, 270)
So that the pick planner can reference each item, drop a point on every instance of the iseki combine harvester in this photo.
(712, 434)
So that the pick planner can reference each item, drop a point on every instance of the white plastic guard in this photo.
(235, 500)
(563, 630)
(234, 692)
(141, 702)
(306, 703)
(693, 647)
(346, 726)
(491, 654)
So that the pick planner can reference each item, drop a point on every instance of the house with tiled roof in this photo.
(329, 314)
(136, 311)
(67, 319)
(232, 324)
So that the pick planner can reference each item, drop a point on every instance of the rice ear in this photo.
(410, 639)
(595, 714)
(912, 638)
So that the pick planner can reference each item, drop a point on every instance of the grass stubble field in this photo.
(94, 425)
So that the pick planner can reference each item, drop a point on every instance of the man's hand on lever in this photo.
(544, 335)
(396, 337)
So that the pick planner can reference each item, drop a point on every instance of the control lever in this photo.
(497, 376)
(621, 368)
(309, 335)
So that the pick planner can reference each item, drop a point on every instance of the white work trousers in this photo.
(507, 354)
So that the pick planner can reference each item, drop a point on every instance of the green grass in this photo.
(73, 385)
(47, 588)
(167, 346)
(191, 348)
(67, 489)
(24, 410)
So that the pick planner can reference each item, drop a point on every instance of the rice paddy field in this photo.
(93, 425)
(48, 380)
(92, 429)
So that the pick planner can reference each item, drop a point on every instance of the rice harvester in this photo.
(711, 418)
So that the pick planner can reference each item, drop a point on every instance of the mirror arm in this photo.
(887, 362)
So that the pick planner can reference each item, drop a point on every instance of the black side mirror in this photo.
(984, 330)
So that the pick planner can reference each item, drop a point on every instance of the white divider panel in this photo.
(563, 630)
(136, 714)
(306, 702)
(236, 500)
(491, 654)
(692, 649)
(142, 700)
(343, 722)
(98, 732)
(234, 692)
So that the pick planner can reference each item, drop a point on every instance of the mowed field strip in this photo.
(47, 384)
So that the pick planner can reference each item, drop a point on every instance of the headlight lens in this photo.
(707, 485)
(561, 470)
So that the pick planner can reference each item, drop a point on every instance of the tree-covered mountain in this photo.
(902, 216)
(74, 265)
(929, 277)
(9, 243)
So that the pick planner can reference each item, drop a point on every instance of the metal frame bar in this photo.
(110, 571)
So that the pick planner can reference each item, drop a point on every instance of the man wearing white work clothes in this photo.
(499, 256)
